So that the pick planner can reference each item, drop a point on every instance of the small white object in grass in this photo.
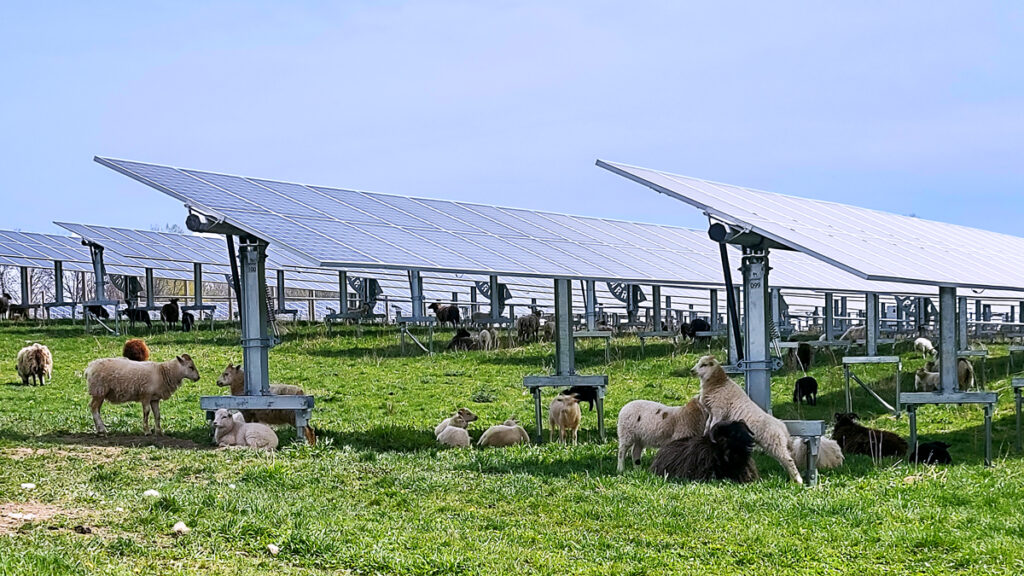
(15, 515)
(29, 517)
(181, 528)
(151, 493)
(232, 486)
(28, 486)
(274, 550)
(118, 509)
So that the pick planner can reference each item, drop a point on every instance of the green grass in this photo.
(377, 496)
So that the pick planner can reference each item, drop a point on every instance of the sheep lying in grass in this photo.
(463, 415)
(647, 424)
(725, 400)
(135, 349)
(35, 361)
(234, 378)
(452, 432)
(564, 414)
(528, 327)
(931, 453)
(854, 438)
(690, 329)
(509, 433)
(232, 430)
(924, 346)
(446, 313)
(830, 455)
(724, 454)
(120, 380)
(463, 340)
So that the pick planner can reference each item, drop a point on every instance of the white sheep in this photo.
(854, 333)
(924, 346)
(37, 362)
(830, 455)
(930, 375)
(461, 418)
(234, 378)
(233, 430)
(509, 433)
(725, 400)
(648, 424)
(926, 381)
(486, 340)
(120, 380)
(454, 433)
(564, 414)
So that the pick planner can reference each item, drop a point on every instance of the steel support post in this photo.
(197, 279)
(151, 289)
(26, 292)
(756, 357)
(961, 321)
(871, 323)
(473, 308)
(590, 304)
(565, 357)
(977, 316)
(495, 298)
(844, 312)
(280, 291)
(416, 292)
(342, 292)
(947, 339)
(713, 295)
(830, 317)
(776, 297)
(97, 270)
(255, 339)
(58, 281)
(656, 308)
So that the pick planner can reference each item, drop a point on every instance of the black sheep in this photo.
(806, 388)
(722, 455)
(463, 340)
(446, 313)
(170, 313)
(805, 355)
(5, 304)
(932, 453)
(586, 394)
(137, 315)
(690, 329)
(98, 311)
(854, 438)
(188, 321)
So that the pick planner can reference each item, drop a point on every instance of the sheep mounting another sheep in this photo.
(231, 430)
(35, 362)
(446, 313)
(120, 380)
(724, 454)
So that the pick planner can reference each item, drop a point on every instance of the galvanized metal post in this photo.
(343, 292)
(961, 321)
(255, 342)
(920, 315)
(97, 270)
(280, 292)
(656, 308)
(871, 323)
(150, 289)
(473, 308)
(590, 304)
(844, 312)
(416, 291)
(977, 315)
(495, 298)
(26, 293)
(830, 318)
(565, 354)
(776, 296)
(197, 278)
(58, 281)
(757, 337)
(713, 295)
(947, 339)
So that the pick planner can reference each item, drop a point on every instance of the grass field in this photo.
(378, 496)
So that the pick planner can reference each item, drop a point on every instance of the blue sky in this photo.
(911, 107)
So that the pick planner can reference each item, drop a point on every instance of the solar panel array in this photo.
(869, 243)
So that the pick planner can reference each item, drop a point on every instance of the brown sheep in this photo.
(135, 349)
(446, 313)
(233, 377)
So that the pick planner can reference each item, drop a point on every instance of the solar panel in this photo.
(871, 244)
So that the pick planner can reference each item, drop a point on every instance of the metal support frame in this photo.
(848, 375)
(776, 308)
(100, 299)
(1018, 403)
(416, 292)
(830, 317)
(844, 314)
(590, 304)
(656, 308)
(871, 322)
(58, 282)
(961, 321)
(495, 297)
(757, 362)
(343, 292)
(150, 289)
(26, 292)
(810, 432)
(197, 284)
(713, 295)
(565, 362)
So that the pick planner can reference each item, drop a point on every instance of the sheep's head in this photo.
(511, 422)
(466, 415)
(734, 434)
(222, 420)
(435, 306)
(188, 367)
(846, 418)
(231, 375)
(705, 367)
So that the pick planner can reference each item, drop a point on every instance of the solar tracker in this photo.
(871, 244)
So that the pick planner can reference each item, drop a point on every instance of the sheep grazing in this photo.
(806, 388)
(509, 433)
(724, 454)
(924, 346)
(135, 349)
(446, 313)
(805, 355)
(5, 305)
(231, 430)
(586, 394)
(725, 400)
(647, 424)
(170, 313)
(452, 432)
(233, 377)
(564, 413)
(35, 361)
(964, 374)
(830, 455)
(528, 327)
(120, 380)
(854, 333)
(188, 321)
(926, 381)
(690, 329)
(854, 438)
(98, 311)
(462, 415)
(463, 340)
(547, 332)
(137, 315)
(931, 453)
(486, 340)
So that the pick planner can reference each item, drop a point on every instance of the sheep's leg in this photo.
(638, 452)
(156, 417)
(94, 405)
(780, 451)
(623, 448)
(575, 432)
(145, 418)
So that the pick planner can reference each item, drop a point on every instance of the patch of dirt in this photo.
(131, 441)
(13, 516)
(94, 454)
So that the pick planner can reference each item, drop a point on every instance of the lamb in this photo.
(647, 424)
(463, 340)
(486, 341)
(37, 362)
(926, 381)
(234, 378)
(120, 380)
(854, 333)
(137, 315)
(806, 388)
(170, 313)
(924, 346)
(462, 415)
(135, 349)
(528, 327)
(232, 430)
(830, 455)
(854, 438)
(564, 414)
(446, 313)
(586, 394)
(509, 433)
(931, 453)
(5, 304)
(188, 321)
(964, 374)
(690, 329)
(725, 400)
(547, 332)
(454, 432)
(724, 454)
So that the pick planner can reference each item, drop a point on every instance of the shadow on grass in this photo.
(382, 439)
(179, 441)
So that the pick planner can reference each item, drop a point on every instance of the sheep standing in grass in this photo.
(35, 361)
(486, 340)
(926, 381)
(232, 430)
(5, 305)
(830, 455)
(806, 388)
(854, 438)
(135, 349)
(463, 340)
(135, 314)
(509, 433)
(725, 400)
(120, 380)
(528, 327)
(964, 374)
(924, 346)
(648, 424)
(233, 377)
(170, 313)
(724, 454)
(452, 432)
(446, 313)
(462, 415)
(564, 413)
